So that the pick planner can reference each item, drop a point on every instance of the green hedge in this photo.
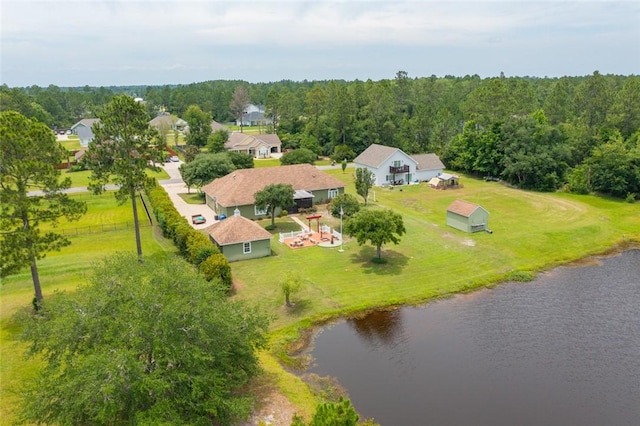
(195, 246)
(217, 266)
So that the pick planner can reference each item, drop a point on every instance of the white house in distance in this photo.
(254, 116)
(167, 121)
(83, 129)
(391, 166)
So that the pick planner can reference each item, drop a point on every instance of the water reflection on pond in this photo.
(562, 350)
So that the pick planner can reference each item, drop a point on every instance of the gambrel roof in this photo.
(237, 229)
(238, 187)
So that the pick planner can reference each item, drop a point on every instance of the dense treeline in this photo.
(538, 133)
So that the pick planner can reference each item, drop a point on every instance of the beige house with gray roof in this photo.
(239, 238)
(167, 121)
(257, 146)
(391, 166)
(237, 189)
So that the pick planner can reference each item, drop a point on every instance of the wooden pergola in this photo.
(317, 218)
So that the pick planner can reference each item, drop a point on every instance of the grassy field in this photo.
(72, 143)
(65, 270)
(81, 179)
(531, 233)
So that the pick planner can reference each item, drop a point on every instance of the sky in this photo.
(151, 42)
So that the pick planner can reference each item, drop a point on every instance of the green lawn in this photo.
(275, 162)
(266, 162)
(531, 232)
(193, 197)
(171, 138)
(72, 143)
(81, 179)
(250, 130)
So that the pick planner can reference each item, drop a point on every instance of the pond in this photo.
(561, 350)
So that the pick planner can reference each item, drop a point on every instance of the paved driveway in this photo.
(174, 186)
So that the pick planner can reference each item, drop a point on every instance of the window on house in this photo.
(246, 248)
(259, 212)
(389, 178)
(397, 163)
(333, 193)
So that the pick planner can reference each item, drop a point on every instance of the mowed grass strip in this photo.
(81, 179)
(64, 271)
(193, 197)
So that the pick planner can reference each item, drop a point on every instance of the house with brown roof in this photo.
(239, 238)
(257, 146)
(467, 217)
(237, 189)
(215, 126)
(391, 166)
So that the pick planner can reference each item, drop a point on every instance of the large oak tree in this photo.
(151, 343)
(377, 226)
(205, 168)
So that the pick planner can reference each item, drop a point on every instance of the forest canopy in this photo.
(535, 133)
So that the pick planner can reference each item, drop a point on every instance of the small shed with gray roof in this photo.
(467, 217)
(239, 238)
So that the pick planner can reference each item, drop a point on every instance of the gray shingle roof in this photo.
(87, 122)
(237, 229)
(238, 187)
(375, 155)
(428, 162)
(215, 126)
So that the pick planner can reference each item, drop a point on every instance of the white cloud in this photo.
(244, 38)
